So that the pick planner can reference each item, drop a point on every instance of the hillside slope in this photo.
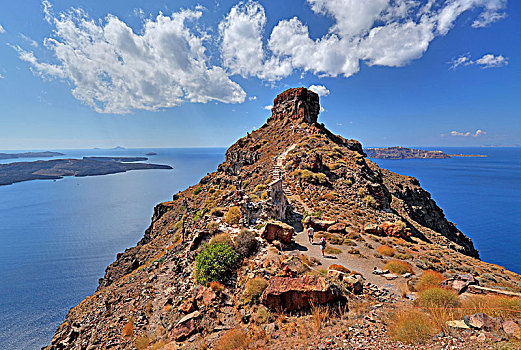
(291, 169)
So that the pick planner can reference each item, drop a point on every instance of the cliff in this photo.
(288, 173)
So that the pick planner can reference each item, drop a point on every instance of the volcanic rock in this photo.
(276, 230)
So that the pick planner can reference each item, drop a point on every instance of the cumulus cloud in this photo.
(478, 133)
(321, 90)
(29, 40)
(486, 61)
(2, 30)
(268, 107)
(379, 32)
(114, 70)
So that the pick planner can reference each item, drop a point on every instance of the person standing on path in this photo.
(311, 231)
(322, 245)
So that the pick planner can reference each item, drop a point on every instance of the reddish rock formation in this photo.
(276, 230)
(318, 224)
(395, 229)
(297, 104)
(298, 293)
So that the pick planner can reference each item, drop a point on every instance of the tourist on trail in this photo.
(310, 234)
(322, 245)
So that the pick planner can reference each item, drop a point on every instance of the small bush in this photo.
(263, 315)
(403, 256)
(246, 243)
(128, 328)
(233, 216)
(253, 197)
(385, 250)
(222, 238)
(197, 190)
(340, 268)
(370, 201)
(142, 342)
(259, 188)
(254, 288)
(216, 286)
(438, 298)
(398, 267)
(213, 227)
(233, 339)
(198, 215)
(217, 211)
(428, 280)
(264, 195)
(332, 250)
(215, 262)
(411, 326)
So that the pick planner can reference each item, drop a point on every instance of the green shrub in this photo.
(199, 215)
(264, 195)
(233, 215)
(213, 227)
(215, 262)
(246, 243)
(197, 190)
(222, 238)
(398, 267)
(259, 188)
(438, 298)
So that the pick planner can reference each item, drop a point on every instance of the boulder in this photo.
(482, 321)
(459, 283)
(337, 228)
(289, 293)
(372, 228)
(317, 223)
(354, 283)
(276, 230)
(395, 230)
(185, 327)
(511, 328)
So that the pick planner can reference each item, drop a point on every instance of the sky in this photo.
(90, 73)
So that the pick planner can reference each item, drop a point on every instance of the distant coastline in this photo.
(398, 152)
(58, 168)
(30, 155)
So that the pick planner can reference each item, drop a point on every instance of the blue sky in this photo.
(82, 74)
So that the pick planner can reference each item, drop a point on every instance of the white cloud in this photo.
(2, 30)
(489, 61)
(486, 61)
(321, 90)
(29, 40)
(493, 13)
(114, 70)
(478, 133)
(379, 32)
(252, 98)
(1, 76)
(268, 107)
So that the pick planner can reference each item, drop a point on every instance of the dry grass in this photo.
(440, 303)
(411, 326)
(428, 280)
(233, 339)
(385, 250)
(398, 267)
(216, 286)
(254, 288)
(222, 238)
(233, 215)
(332, 250)
(128, 328)
(320, 314)
(340, 268)
(493, 305)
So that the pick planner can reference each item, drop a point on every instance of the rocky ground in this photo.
(385, 237)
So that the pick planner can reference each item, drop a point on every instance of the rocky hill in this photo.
(226, 265)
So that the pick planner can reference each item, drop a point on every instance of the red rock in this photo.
(207, 295)
(395, 230)
(188, 306)
(298, 293)
(318, 224)
(298, 104)
(459, 283)
(185, 327)
(337, 228)
(276, 230)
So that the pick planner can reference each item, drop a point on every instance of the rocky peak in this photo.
(298, 104)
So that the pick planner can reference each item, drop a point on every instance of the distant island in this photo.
(30, 155)
(117, 159)
(398, 152)
(58, 168)
(151, 154)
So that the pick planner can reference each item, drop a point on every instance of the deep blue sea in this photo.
(57, 237)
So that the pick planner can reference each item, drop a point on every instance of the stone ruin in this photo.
(274, 207)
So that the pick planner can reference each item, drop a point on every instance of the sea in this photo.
(57, 237)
